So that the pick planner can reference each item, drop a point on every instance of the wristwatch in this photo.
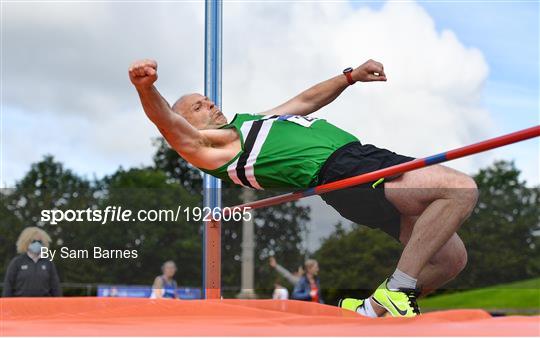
(348, 74)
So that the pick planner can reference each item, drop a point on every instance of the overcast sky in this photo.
(457, 73)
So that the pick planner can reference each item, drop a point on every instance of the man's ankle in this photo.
(401, 280)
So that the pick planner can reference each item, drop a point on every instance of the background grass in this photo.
(514, 298)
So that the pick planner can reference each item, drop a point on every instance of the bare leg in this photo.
(444, 266)
(442, 199)
(434, 202)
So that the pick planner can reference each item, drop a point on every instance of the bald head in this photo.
(199, 111)
(177, 106)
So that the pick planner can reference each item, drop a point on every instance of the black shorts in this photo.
(362, 204)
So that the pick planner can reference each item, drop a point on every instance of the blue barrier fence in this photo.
(143, 291)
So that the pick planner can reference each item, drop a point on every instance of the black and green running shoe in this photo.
(399, 303)
(351, 304)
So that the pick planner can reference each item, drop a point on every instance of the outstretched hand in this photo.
(369, 71)
(143, 73)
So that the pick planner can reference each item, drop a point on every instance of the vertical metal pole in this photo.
(248, 252)
(211, 185)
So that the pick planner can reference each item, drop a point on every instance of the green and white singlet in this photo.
(280, 151)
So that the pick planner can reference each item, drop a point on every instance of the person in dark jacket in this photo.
(29, 275)
(308, 287)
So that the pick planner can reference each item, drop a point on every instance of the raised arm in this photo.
(327, 91)
(181, 135)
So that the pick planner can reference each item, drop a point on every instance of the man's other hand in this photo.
(143, 73)
(371, 70)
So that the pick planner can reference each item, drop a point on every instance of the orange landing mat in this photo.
(90, 316)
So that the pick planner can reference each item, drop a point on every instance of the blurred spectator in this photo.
(280, 292)
(165, 286)
(29, 275)
(293, 278)
(308, 287)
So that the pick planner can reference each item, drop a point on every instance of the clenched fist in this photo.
(143, 73)
(369, 71)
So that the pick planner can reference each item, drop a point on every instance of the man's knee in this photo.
(471, 194)
(458, 261)
(465, 193)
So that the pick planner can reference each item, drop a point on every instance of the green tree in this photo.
(10, 227)
(353, 263)
(170, 183)
(502, 234)
(149, 190)
(176, 168)
(48, 185)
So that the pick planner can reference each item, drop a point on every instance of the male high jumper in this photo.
(283, 148)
